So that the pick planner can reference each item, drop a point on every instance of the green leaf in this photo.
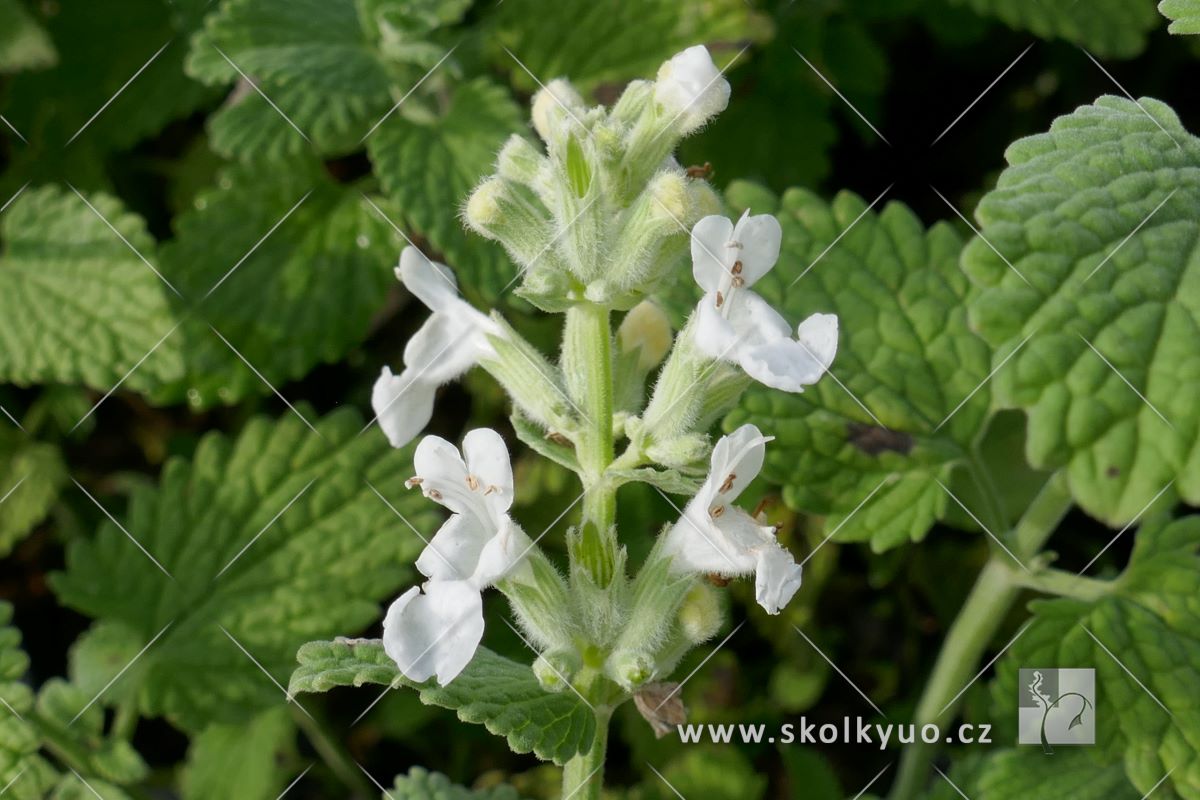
(1020, 774)
(242, 760)
(711, 773)
(102, 653)
(74, 787)
(66, 714)
(429, 166)
(421, 784)
(22, 768)
(288, 266)
(493, 691)
(1105, 27)
(905, 353)
(77, 305)
(270, 539)
(1101, 217)
(31, 474)
(611, 41)
(1151, 623)
(1184, 15)
(24, 44)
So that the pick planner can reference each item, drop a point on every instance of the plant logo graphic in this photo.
(1057, 706)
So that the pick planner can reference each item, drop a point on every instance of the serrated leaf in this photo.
(493, 691)
(77, 305)
(31, 474)
(99, 655)
(318, 551)
(421, 784)
(904, 352)
(242, 760)
(1150, 626)
(288, 266)
(611, 41)
(1100, 215)
(65, 712)
(429, 166)
(22, 768)
(24, 44)
(1022, 774)
(1105, 27)
(1184, 15)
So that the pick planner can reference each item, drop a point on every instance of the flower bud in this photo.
(519, 161)
(556, 107)
(629, 668)
(555, 669)
(658, 213)
(690, 89)
(680, 451)
(700, 616)
(646, 329)
(502, 210)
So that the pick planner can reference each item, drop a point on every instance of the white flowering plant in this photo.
(598, 219)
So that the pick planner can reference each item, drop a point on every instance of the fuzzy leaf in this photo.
(311, 568)
(905, 353)
(493, 691)
(1101, 215)
(242, 760)
(19, 739)
(306, 293)
(1184, 15)
(1151, 622)
(1021, 774)
(24, 44)
(65, 713)
(31, 474)
(421, 784)
(1105, 27)
(77, 305)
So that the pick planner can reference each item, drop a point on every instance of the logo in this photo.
(1057, 706)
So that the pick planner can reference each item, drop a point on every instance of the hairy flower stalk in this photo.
(598, 219)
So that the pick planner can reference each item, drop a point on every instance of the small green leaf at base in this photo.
(1184, 15)
(493, 691)
(421, 784)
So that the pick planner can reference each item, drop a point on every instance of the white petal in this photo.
(736, 460)
(444, 477)
(402, 405)
(760, 237)
(432, 283)
(754, 319)
(502, 553)
(819, 333)
(445, 347)
(434, 633)
(784, 364)
(777, 577)
(714, 336)
(487, 459)
(453, 552)
(690, 85)
(710, 237)
(697, 543)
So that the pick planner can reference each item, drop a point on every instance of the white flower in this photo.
(714, 536)
(735, 324)
(434, 630)
(690, 87)
(447, 345)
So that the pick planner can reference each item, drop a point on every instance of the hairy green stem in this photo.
(1063, 584)
(994, 592)
(583, 775)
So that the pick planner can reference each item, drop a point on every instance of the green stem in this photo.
(583, 775)
(995, 591)
(1063, 584)
(331, 752)
(587, 356)
(125, 720)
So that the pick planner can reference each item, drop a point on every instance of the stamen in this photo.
(472, 482)
(490, 489)
(738, 281)
(737, 267)
(720, 299)
(728, 484)
(434, 494)
(415, 480)
(716, 511)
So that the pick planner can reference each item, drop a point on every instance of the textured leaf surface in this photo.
(31, 474)
(493, 691)
(1184, 15)
(19, 741)
(1106, 27)
(242, 760)
(421, 784)
(294, 289)
(77, 305)
(312, 568)
(905, 353)
(66, 714)
(610, 40)
(24, 44)
(1151, 623)
(1074, 773)
(1101, 215)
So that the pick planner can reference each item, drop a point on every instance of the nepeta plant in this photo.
(599, 220)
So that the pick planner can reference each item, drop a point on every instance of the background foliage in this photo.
(202, 203)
